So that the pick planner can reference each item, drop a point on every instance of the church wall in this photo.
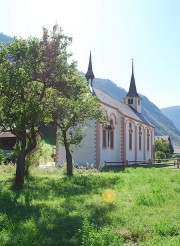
(130, 153)
(85, 152)
(140, 152)
(146, 151)
(149, 153)
(88, 151)
(111, 154)
(91, 148)
(153, 144)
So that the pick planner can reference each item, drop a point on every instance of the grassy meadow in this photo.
(132, 206)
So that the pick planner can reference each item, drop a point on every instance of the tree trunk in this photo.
(20, 166)
(68, 156)
(69, 162)
(31, 145)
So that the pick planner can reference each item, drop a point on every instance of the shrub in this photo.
(160, 154)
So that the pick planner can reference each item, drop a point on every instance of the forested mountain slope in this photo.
(5, 38)
(163, 125)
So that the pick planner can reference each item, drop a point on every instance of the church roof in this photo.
(132, 88)
(89, 74)
(120, 106)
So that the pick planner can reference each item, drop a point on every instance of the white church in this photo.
(128, 137)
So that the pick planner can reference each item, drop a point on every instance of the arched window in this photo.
(148, 135)
(104, 137)
(108, 135)
(130, 136)
(111, 132)
(139, 101)
(131, 100)
(140, 138)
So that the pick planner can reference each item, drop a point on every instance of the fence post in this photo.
(127, 162)
(178, 162)
(105, 163)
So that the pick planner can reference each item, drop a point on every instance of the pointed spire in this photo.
(89, 74)
(132, 88)
(132, 67)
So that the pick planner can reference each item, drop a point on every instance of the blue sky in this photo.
(115, 31)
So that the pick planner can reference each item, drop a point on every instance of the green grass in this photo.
(56, 210)
(46, 151)
(48, 143)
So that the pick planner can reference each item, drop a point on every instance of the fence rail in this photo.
(150, 162)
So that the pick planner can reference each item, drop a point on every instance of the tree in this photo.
(30, 72)
(163, 148)
(73, 111)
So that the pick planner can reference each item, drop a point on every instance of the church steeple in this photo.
(90, 75)
(132, 98)
(132, 88)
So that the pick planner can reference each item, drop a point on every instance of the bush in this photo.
(160, 155)
(163, 149)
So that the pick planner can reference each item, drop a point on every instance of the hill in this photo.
(5, 38)
(173, 113)
(163, 125)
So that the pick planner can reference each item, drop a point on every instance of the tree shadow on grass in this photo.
(48, 211)
(99, 215)
(68, 187)
(29, 222)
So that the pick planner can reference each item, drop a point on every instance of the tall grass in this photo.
(56, 210)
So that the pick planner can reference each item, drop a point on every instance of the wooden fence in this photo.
(153, 162)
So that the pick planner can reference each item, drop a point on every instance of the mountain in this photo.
(173, 113)
(5, 38)
(163, 125)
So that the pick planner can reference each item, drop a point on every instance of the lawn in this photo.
(132, 206)
(46, 151)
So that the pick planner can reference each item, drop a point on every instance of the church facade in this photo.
(128, 136)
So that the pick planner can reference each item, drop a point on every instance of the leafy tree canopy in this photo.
(37, 84)
(163, 148)
(29, 72)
